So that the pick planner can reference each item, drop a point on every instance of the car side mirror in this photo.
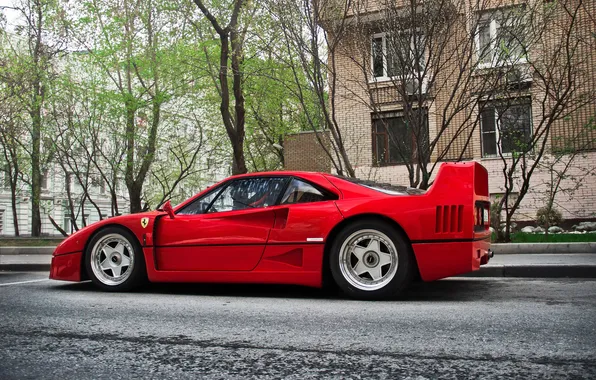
(167, 207)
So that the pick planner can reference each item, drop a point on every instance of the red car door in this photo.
(305, 214)
(225, 230)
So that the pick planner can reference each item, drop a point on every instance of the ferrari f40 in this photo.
(302, 228)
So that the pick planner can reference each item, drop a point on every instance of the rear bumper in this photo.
(446, 259)
(66, 267)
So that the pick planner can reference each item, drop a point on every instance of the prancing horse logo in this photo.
(144, 222)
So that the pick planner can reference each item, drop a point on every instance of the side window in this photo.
(200, 205)
(248, 193)
(302, 192)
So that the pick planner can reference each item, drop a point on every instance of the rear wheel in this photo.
(114, 260)
(370, 260)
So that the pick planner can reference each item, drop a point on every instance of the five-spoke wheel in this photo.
(371, 260)
(114, 261)
(368, 259)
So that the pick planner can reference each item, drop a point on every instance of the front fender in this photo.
(68, 255)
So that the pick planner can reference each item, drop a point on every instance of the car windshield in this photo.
(385, 188)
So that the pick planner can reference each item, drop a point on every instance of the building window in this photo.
(1, 222)
(397, 138)
(67, 225)
(6, 177)
(500, 38)
(397, 55)
(98, 182)
(44, 180)
(506, 127)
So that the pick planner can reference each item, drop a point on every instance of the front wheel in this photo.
(114, 260)
(371, 260)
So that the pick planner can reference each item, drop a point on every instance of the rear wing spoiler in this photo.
(460, 187)
(456, 179)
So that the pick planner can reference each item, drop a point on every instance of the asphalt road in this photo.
(455, 328)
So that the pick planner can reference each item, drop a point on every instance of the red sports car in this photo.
(294, 228)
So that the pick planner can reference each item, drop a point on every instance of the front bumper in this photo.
(66, 267)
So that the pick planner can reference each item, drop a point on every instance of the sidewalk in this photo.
(532, 265)
(540, 265)
(25, 263)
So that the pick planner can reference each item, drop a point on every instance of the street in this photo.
(455, 328)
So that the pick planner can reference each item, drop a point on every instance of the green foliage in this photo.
(520, 237)
(495, 214)
(548, 216)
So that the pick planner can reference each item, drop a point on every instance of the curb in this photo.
(45, 250)
(536, 271)
(24, 267)
(529, 248)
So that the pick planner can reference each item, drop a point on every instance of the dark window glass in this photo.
(200, 205)
(301, 192)
(381, 146)
(485, 52)
(506, 126)
(404, 54)
(489, 139)
(502, 36)
(399, 139)
(240, 194)
(395, 57)
(377, 53)
(515, 127)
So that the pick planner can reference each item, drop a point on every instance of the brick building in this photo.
(423, 82)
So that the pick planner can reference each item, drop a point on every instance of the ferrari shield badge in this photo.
(144, 222)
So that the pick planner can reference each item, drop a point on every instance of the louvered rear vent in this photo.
(449, 219)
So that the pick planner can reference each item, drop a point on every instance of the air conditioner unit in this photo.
(415, 86)
(519, 76)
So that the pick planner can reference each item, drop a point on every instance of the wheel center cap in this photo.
(115, 258)
(371, 259)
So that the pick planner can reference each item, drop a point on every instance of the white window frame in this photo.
(67, 222)
(493, 26)
(45, 181)
(498, 141)
(385, 77)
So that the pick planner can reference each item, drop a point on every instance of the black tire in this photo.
(112, 236)
(393, 282)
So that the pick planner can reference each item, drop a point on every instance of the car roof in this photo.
(349, 187)
(278, 173)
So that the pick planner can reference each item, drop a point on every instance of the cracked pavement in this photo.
(455, 328)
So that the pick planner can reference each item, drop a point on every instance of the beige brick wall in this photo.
(354, 118)
(302, 151)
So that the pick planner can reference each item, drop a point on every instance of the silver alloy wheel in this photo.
(368, 259)
(112, 259)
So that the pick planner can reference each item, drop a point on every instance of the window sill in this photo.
(396, 80)
(495, 66)
(381, 80)
(494, 158)
(388, 164)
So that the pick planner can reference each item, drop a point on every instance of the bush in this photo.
(495, 215)
(546, 217)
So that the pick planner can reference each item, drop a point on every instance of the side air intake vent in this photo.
(450, 218)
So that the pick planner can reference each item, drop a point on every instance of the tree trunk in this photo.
(134, 192)
(35, 165)
(15, 215)
(234, 126)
